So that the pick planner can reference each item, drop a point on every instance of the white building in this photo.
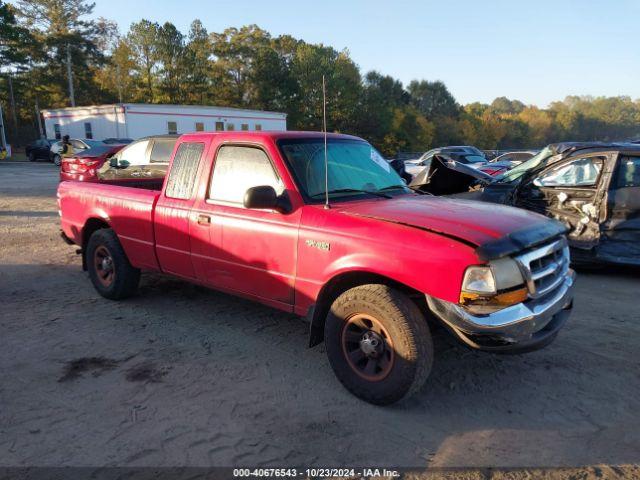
(136, 120)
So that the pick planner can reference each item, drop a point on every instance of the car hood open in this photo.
(445, 176)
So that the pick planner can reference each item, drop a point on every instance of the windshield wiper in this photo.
(391, 187)
(352, 190)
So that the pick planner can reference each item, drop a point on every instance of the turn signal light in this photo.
(484, 304)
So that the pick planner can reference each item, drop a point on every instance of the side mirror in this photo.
(265, 197)
(113, 162)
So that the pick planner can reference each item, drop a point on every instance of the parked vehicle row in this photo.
(50, 149)
(325, 228)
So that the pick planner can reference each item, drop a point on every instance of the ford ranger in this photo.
(331, 233)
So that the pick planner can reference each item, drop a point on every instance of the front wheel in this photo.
(32, 157)
(109, 269)
(378, 343)
(57, 160)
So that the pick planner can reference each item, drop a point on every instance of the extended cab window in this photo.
(239, 168)
(182, 176)
(582, 172)
(628, 172)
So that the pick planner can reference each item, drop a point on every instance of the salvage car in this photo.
(84, 166)
(504, 162)
(592, 187)
(415, 166)
(323, 227)
(470, 159)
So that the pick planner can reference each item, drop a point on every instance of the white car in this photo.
(76, 143)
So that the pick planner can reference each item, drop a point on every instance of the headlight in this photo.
(479, 280)
(488, 288)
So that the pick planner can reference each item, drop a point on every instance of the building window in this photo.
(231, 127)
(87, 130)
(56, 130)
(244, 126)
(172, 128)
(219, 126)
(258, 127)
(199, 127)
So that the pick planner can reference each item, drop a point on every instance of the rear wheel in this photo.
(109, 269)
(57, 160)
(378, 344)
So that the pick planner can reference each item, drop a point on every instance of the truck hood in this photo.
(494, 230)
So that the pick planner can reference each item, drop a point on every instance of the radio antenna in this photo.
(326, 158)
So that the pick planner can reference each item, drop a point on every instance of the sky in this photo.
(536, 51)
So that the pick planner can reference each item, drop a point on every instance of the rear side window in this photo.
(239, 168)
(161, 150)
(628, 172)
(182, 175)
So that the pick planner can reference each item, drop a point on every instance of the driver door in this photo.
(243, 250)
(572, 192)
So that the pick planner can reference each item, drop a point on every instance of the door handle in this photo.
(204, 220)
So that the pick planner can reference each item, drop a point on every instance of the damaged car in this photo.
(592, 187)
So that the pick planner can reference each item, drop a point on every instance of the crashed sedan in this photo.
(592, 187)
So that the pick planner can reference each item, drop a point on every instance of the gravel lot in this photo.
(180, 375)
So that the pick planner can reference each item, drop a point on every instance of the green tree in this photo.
(14, 39)
(502, 105)
(235, 51)
(433, 99)
(170, 52)
(381, 96)
(198, 64)
(142, 40)
(63, 27)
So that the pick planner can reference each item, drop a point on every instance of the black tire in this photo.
(411, 356)
(57, 160)
(32, 157)
(123, 282)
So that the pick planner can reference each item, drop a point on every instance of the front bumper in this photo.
(520, 328)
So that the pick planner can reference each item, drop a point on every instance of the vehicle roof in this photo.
(568, 147)
(275, 135)
(149, 137)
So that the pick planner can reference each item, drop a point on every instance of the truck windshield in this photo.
(355, 168)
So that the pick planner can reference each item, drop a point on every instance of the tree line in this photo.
(248, 67)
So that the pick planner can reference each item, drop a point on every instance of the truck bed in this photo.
(128, 209)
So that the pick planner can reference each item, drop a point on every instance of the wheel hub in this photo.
(107, 264)
(367, 347)
(104, 266)
(371, 344)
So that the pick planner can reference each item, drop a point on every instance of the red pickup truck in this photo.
(373, 269)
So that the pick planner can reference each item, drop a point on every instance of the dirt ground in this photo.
(183, 376)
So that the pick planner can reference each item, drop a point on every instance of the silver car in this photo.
(76, 143)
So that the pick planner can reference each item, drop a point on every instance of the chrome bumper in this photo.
(525, 326)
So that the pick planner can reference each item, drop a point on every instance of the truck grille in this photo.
(544, 268)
